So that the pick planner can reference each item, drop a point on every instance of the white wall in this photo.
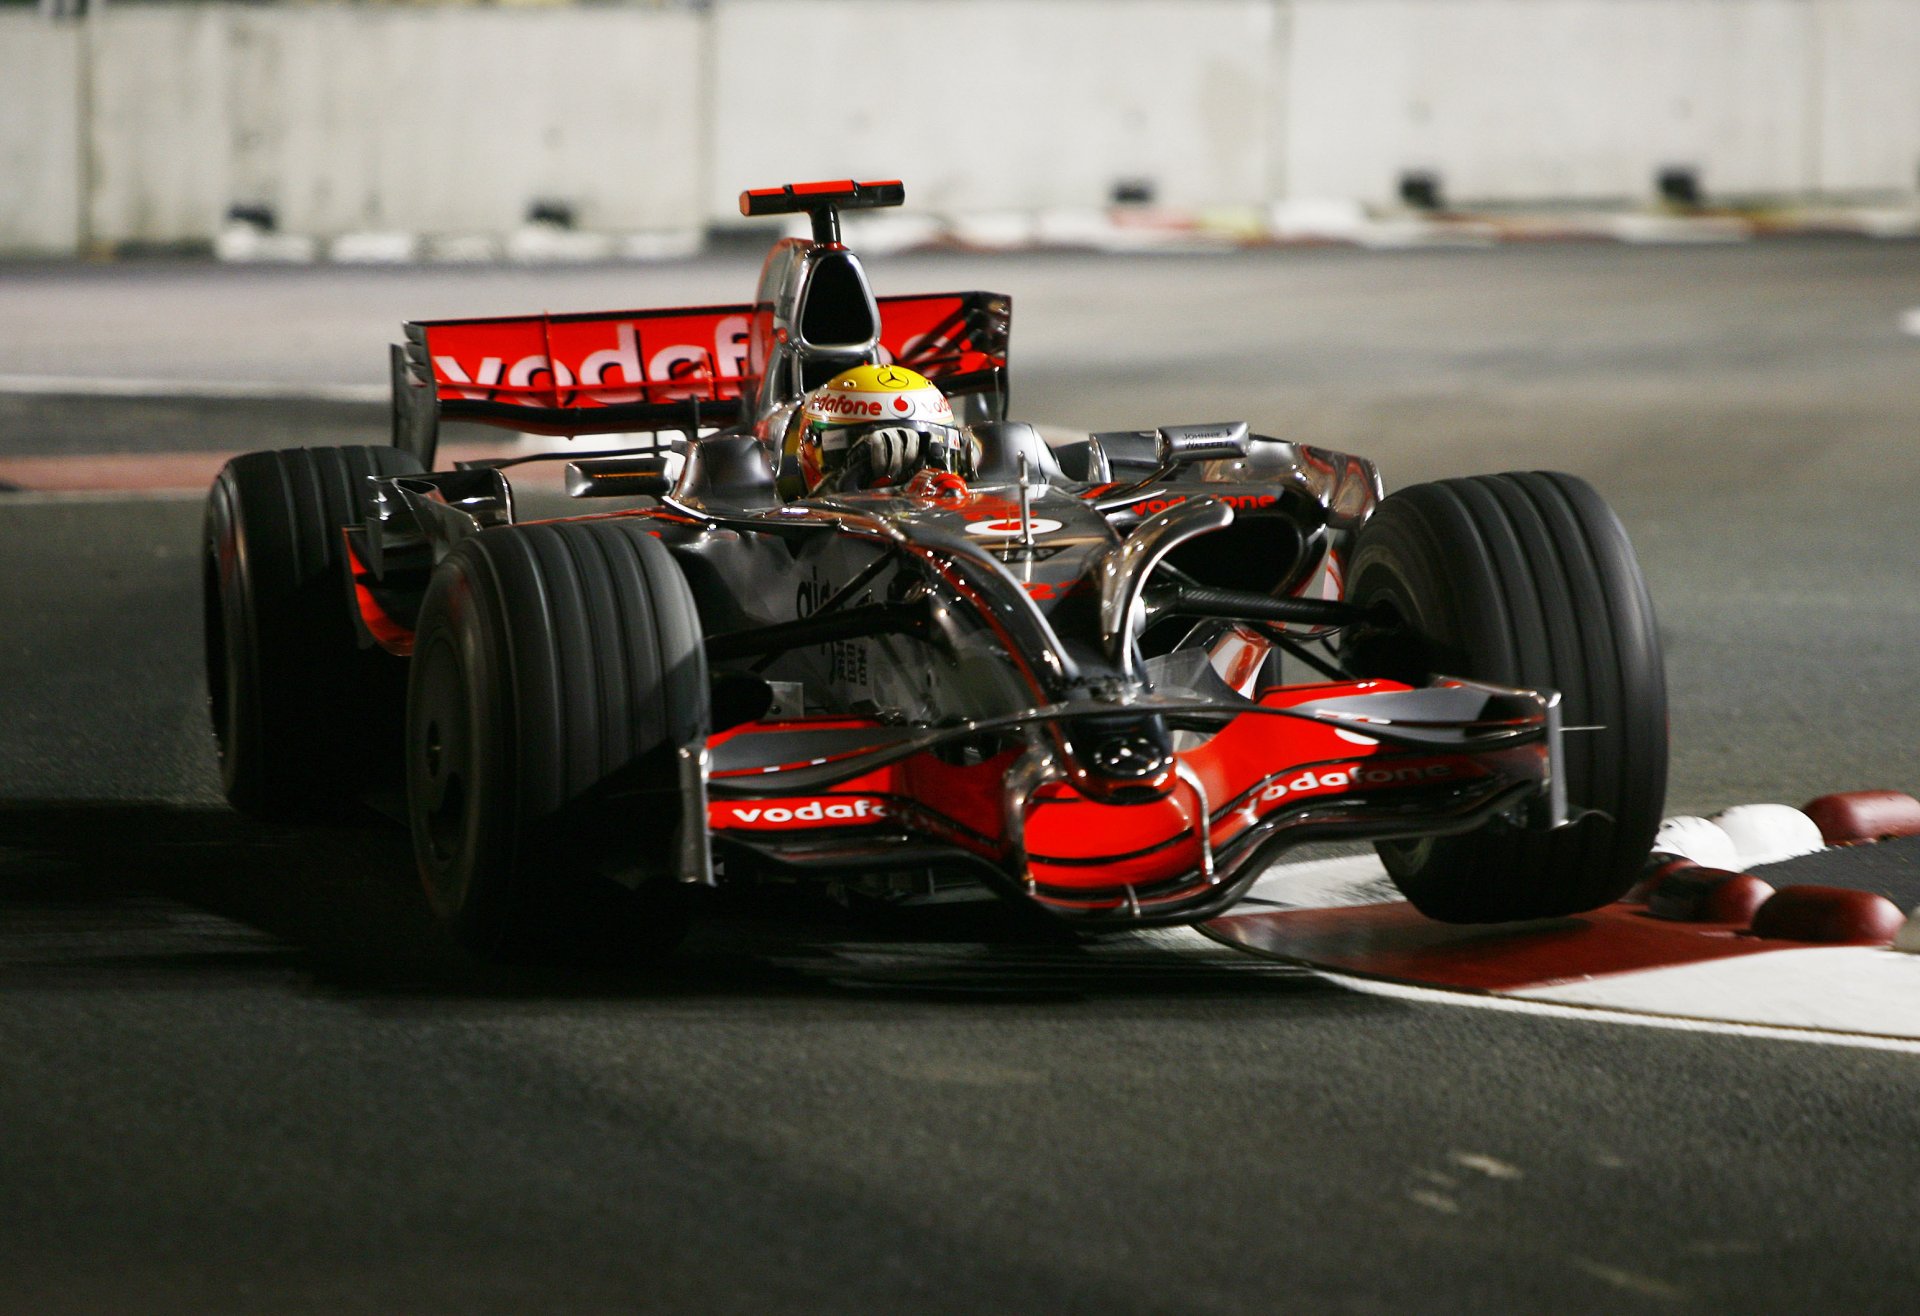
(159, 123)
(436, 120)
(996, 104)
(40, 162)
(1867, 84)
(451, 120)
(1561, 99)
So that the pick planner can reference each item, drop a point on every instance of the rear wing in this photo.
(635, 371)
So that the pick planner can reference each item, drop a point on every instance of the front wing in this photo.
(1361, 759)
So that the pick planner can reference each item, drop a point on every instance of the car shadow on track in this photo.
(136, 893)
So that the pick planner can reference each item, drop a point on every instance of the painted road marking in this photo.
(169, 472)
(1842, 989)
(192, 389)
(1397, 941)
(146, 472)
(1910, 322)
(1616, 965)
(1678, 1023)
(38, 497)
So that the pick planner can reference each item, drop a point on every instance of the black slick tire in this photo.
(1524, 579)
(304, 718)
(558, 670)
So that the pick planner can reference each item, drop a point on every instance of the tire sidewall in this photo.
(459, 669)
(231, 640)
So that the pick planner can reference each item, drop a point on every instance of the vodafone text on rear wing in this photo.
(689, 368)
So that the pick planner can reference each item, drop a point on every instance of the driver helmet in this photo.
(874, 426)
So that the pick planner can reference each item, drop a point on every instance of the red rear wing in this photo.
(612, 371)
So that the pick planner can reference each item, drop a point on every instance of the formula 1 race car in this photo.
(1055, 670)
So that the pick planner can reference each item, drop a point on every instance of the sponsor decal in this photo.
(846, 659)
(1342, 776)
(663, 366)
(1240, 502)
(852, 405)
(811, 593)
(821, 811)
(1012, 527)
(630, 356)
(1354, 737)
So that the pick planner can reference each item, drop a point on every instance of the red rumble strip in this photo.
(1398, 942)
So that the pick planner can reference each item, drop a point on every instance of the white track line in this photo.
(1512, 1005)
(12, 498)
(100, 386)
(1910, 322)
(1832, 989)
(1836, 995)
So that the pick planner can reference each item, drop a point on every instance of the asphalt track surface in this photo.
(239, 1072)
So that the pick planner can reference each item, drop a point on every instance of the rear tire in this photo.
(558, 669)
(1524, 579)
(305, 719)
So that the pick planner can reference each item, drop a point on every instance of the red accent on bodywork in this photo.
(1397, 941)
(610, 358)
(1254, 766)
(768, 200)
(386, 632)
(938, 486)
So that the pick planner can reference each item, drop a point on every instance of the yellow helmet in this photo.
(863, 401)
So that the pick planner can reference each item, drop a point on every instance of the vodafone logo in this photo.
(661, 371)
(1012, 527)
(844, 404)
(805, 813)
(1355, 774)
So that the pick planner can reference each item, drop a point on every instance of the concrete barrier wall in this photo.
(435, 120)
(146, 124)
(1570, 99)
(1867, 95)
(997, 104)
(160, 123)
(40, 160)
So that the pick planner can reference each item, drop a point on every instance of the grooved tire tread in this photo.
(1527, 579)
(559, 667)
(303, 716)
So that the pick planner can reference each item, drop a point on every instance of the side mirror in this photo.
(650, 476)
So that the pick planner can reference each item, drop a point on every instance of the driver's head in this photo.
(874, 427)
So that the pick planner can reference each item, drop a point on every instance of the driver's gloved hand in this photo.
(884, 457)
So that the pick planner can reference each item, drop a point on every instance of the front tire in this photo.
(558, 670)
(304, 718)
(1524, 579)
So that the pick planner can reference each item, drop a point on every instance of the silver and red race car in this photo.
(1057, 673)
